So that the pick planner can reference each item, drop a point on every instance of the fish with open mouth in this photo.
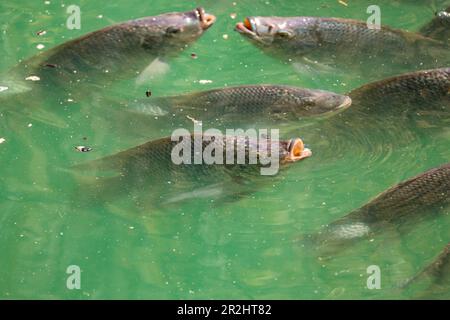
(344, 44)
(249, 104)
(422, 196)
(439, 27)
(149, 173)
(116, 52)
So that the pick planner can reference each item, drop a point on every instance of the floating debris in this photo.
(40, 46)
(50, 65)
(32, 78)
(204, 81)
(3, 88)
(83, 149)
(2, 140)
(225, 36)
(194, 56)
(343, 3)
(148, 93)
(41, 32)
(29, 125)
(233, 15)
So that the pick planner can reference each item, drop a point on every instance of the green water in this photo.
(242, 249)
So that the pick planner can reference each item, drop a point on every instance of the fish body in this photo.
(411, 92)
(422, 195)
(118, 51)
(434, 279)
(151, 169)
(248, 103)
(345, 44)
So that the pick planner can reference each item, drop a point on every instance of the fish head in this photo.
(294, 34)
(293, 150)
(444, 16)
(172, 31)
(322, 102)
(295, 103)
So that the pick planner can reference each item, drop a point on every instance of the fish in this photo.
(150, 174)
(346, 45)
(248, 103)
(119, 51)
(434, 279)
(439, 27)
(398, 112)
(412, 92)
(420, 196)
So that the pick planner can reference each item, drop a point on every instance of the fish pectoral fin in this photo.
(110, 167)
(309, 66)
(42, 116)
(153, 107)
(10, 87)
(211, 191)
(155, 69)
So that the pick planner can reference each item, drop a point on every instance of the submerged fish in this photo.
(426, 193)
(150, 173)
(435, 278)
(439, 27)
(408, 93)
(349, 45)
(250, 103)
(118, 51)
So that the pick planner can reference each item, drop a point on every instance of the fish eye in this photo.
(173, 30)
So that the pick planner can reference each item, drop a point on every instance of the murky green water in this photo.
(241, 249)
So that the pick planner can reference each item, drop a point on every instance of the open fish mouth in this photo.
(206, 19)
(347, 103)
(247, 27)
(297, 151)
